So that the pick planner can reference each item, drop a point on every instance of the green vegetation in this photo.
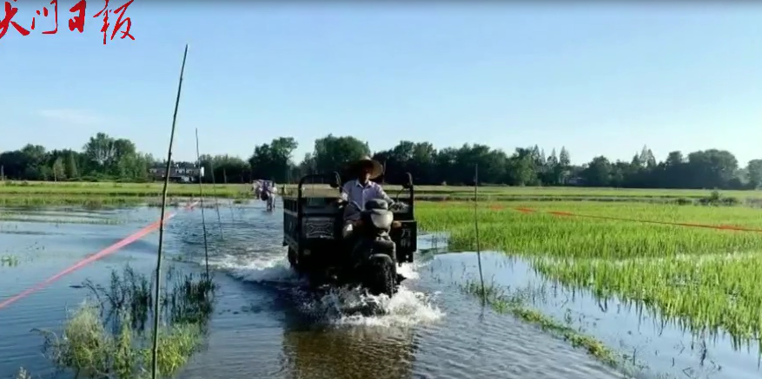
(108, 338)
(503, 301)
(703, 279)
(104, 158)
(9, 260)
(108, 194)
(114, 194)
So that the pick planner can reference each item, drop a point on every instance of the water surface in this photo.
(266, 325)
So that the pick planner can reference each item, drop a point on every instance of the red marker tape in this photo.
(92, 258)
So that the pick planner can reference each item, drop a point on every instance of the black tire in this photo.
(292, 259)
(382, 278)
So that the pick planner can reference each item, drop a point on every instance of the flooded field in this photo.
(266, 325)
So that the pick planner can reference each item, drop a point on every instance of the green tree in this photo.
(334, 153)
(754, 173)
(58, 170)
(100, 152)
(273, 160)
(71, 166)
(598, 172)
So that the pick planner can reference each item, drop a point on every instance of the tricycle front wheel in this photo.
(382, 278)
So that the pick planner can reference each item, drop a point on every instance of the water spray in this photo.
(203, 218)
(157, 293)
(476, 228)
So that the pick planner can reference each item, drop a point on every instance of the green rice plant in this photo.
(702, 279)
(9, 260)
(187, 298)
(85, 200)
(504, 301)
(108, 338)
(88, 350)
(106, 192)
(708, 295)
(544, 234)
(23, 374)
(26, 217)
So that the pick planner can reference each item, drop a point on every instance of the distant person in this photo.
(268, 193)
(256, 187)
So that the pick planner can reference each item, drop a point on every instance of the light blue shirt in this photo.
(353, 190)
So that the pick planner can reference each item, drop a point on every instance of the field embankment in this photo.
(121, 194)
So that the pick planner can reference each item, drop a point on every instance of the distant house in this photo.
(181, 172)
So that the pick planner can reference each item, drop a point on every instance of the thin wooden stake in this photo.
(203, 218)
(476, 227)
(157, 293)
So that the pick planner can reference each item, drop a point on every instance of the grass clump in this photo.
(23, 374)
(9, 260)
(108, 338)
(89, 350)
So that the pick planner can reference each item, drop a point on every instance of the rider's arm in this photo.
(382, 194)
(345, 191)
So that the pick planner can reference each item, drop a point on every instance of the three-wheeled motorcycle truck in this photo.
(382, 239)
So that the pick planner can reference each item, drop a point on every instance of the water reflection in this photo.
(333, 352)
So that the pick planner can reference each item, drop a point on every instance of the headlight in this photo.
(382, 220)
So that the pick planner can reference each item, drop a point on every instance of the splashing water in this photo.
(339, 306)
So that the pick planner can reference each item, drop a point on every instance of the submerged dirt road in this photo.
(270, 327)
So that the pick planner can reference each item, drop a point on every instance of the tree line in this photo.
(106, 158)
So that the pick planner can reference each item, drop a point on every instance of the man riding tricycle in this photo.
(356, 237)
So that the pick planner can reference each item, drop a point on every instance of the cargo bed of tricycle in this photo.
(312, 226)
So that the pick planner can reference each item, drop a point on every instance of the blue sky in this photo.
(596, 79)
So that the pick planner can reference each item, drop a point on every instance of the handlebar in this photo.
(397, 206)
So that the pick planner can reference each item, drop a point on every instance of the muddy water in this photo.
(267, 326)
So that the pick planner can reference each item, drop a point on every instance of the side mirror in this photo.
(409, 183)
(336, 182)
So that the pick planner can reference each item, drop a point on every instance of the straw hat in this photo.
(376, 168)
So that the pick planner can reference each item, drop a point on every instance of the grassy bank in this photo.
(703, 279)
(98, 194)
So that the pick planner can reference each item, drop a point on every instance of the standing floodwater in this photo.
(266, 325)
(269, 326)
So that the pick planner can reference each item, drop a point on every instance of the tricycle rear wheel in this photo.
(382, 278)
(292, 259)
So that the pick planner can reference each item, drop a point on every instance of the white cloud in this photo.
(72, 116)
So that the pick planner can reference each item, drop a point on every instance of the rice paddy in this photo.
(701, 279)
(617, 244)
(514, 302)
(113, 194)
